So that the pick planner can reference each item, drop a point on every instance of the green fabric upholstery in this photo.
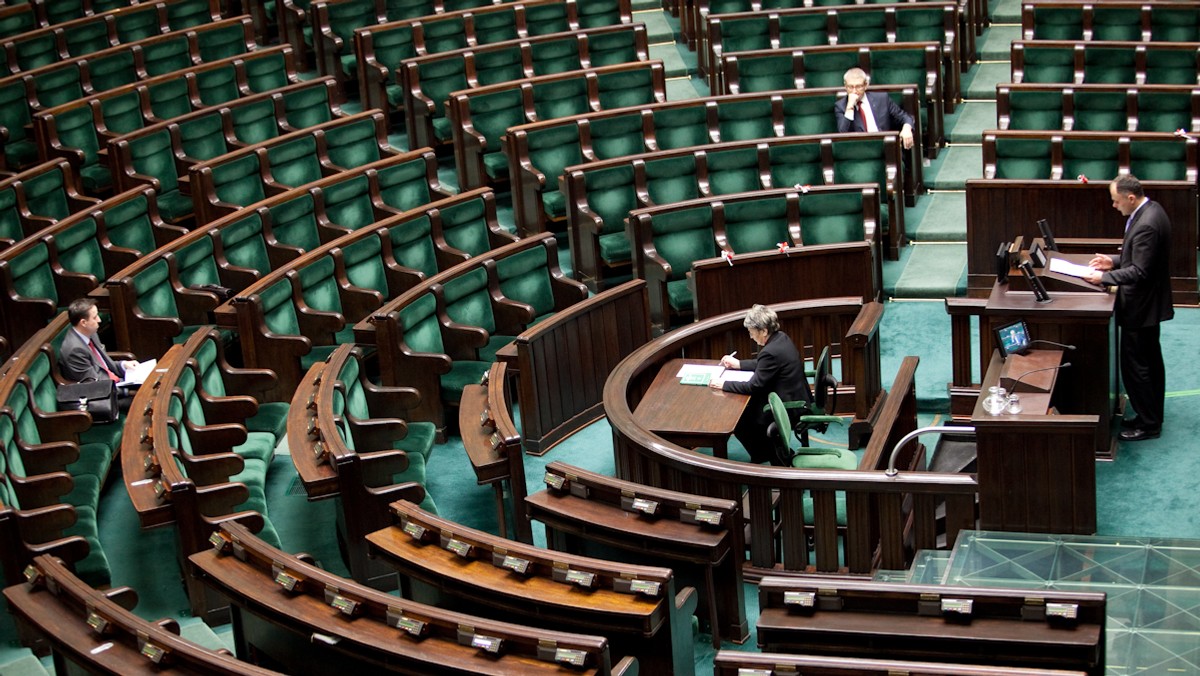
(404, 186)
(153, 156)
(1162, 111)
(681, 237)
(733, 171)
(1117, 23)
(318, 285)
(10, 219)
(412, 245)
(804, 115)
(421, 435)
(495, 66)
(92, 36)
(295, 162)
(599, 13)
(1170, 66)
(1174, 24)
(918, 24)
(196, 264)
(65, 83)
(258, 446)
(746, 120)
(152, 288)
(362, 260)
(438, 77)
(611, 194)
(1103, 65)
(765, 73)
(1057, 23)
(307, 106)
(1022, 158)
(1035, 110)
(681, 127)
(271, 416)
(348, 203)
(1159, 160)
(746, 33)
(278, 311)
(525, 277)
(1098, 160)
(265, 73)
(344, 17)
(545, 19)
(31, 274)
(757, 224)
(862, 27)
(78, 249)
(491, 115)
(468, 301)
(608, 49)
(352, 145)
(826, 69)
(551, 151)
(423, 333)
(19, 149)
(254, 122)
(796, 164)
(243, 243)
(122, 113)
(34, 51)
(46, 194)
(615, 248)
(294, 222)
(18, 22)
(802, 30)
(187, 13)
(465, 225)
(1048, 64)
(617, 135)
(496, 26)
(167, 55)
(830, 218)
(169, 98)
(203, 137)
(403, 9)
(671, 179)
(560, 98)
(128, 223)
(625, 88)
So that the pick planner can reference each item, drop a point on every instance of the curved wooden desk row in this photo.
(738, 663)
(300, 619)
(876, 531)
(638, 608)
(96, 632)
(233, 252)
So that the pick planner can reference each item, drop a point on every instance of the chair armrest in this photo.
(48, 457)
(43, 490)
(219, 499)
(218, 438)
(378, 434)
(209, 470)
(228, 409)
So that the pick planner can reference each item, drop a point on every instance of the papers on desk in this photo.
(137, 375)
(1066, 267)
(701, 374)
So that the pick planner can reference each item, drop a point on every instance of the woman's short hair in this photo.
(762, 317)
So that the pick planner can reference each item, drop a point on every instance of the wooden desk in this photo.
(1082, 319)
(690, 415)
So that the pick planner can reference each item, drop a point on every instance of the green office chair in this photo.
(812, 417)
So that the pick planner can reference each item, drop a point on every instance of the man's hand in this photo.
(852, 100)
(730, 362)
(1094, 276)
(716, 383)
(1101, 262)
(127, 365)
(906, 136)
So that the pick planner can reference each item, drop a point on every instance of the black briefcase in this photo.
(98, 397)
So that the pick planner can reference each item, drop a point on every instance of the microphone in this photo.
(1014, 400)
(1051, 342)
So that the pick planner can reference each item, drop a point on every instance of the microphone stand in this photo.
(1014, 400)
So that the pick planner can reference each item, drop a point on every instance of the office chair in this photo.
(812, 417)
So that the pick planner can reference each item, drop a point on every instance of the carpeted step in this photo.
(24, 666)
(954, 166)
(980, 82)
(683, 88)
(675, 59)
(939, 217)
(934, 271)
(659, 28)
(996, 42)
(1005, 11)
(645, 5)
(970, 120)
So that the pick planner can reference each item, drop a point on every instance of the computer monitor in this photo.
(1012, 339)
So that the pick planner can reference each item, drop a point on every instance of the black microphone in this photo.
(1017, 380)
(1051, 342)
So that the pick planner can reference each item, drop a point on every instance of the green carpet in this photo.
(970, 120)
(674, 63)
(660, 26)
(996, 42)
(953, 166)
(940, 217)
(934, 271)
(980, 82)
(1005, 11)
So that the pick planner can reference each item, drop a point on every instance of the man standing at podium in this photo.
(1143, 282)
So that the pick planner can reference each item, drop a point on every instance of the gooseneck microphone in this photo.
(1051, 342)
(1017, 380)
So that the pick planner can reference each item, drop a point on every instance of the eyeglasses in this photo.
(857, 87)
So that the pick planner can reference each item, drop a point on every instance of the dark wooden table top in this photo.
(693, 410)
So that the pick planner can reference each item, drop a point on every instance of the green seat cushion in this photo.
(94, 461)
(108, 435)
(555, 203)
(494, 344)
(258, 445)
(462, 373)
(679, 295)
(420, 439)
(615, 248)
(174, 205)
(824, 459)
(271, 418)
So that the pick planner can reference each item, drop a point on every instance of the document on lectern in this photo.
(1066, 267)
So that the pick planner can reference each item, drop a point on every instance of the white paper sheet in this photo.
(138, 374)
(1066, 267)
(713, 370)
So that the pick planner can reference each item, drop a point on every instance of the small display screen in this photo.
(1013, 338)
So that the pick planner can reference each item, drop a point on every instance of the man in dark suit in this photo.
(778, 368)
(870, 111)
(82, 356)
(1143, 284)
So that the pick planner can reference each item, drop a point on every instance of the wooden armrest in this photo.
(228, 409)
(220, 499)
(218, 438)
(209, 470)
(48, 457)
(43, 490)
(378, 434)
(380, 466)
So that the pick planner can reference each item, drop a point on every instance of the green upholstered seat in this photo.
(416, 462)
(611, 48)
(32, 277)
(412, 245)
(560, 98)
(746, 120)
(611, 194)
(319, 288)
(271, 416)
(293, 222)
(244, 245)
(170, 98)
(1036, 110)
(258, 446)
(129, 223)
(187, 13)
(437, 78)
(422, 333)
(746, 33)
(617, 135)
(222, 42)
(825, 69)
(1159, 160)
(10, 218)
(405, 185)
(19, 148)
(1022, 158)
(203, 137)
(466, 224)
(294, 162)
(919, 24)
(1109, 65)
(17, 21)
(307, 106)
(38, 49)
(491, 114)
(804, 115)
(152, 288)
(550, 151)
(363, 263)
(862, 27)
(352, 145)
(525, 277)
(795, 164)
(757, 224)
(829, 218)
(1048, 64)
(237, 181)
(279, 315)
(624, 88)
(90, 36)
(152, 155)
(353, 397)
(596, 13)
(680, 237)
(496, 26)
(348, 202)
(680, 127)
(266, 72)
(77, 249)
(122, 113)
(1096, 159)
(340, 19)
(497, 65)
(56, 86)
(45, 194)
(732, 171)
(196, 263)
(253, 121)
(1170, 66)
(1164, 111)
(1174, 23)
(404, 9)
(1116, 23)
(164, 56)
(469, 303)
(1057, 23)
(671, 179)
(765, 73)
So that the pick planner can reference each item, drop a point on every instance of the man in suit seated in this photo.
(82, 356)
(870, 111)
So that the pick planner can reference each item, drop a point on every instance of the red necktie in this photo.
(103, 364)
(862, 115)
